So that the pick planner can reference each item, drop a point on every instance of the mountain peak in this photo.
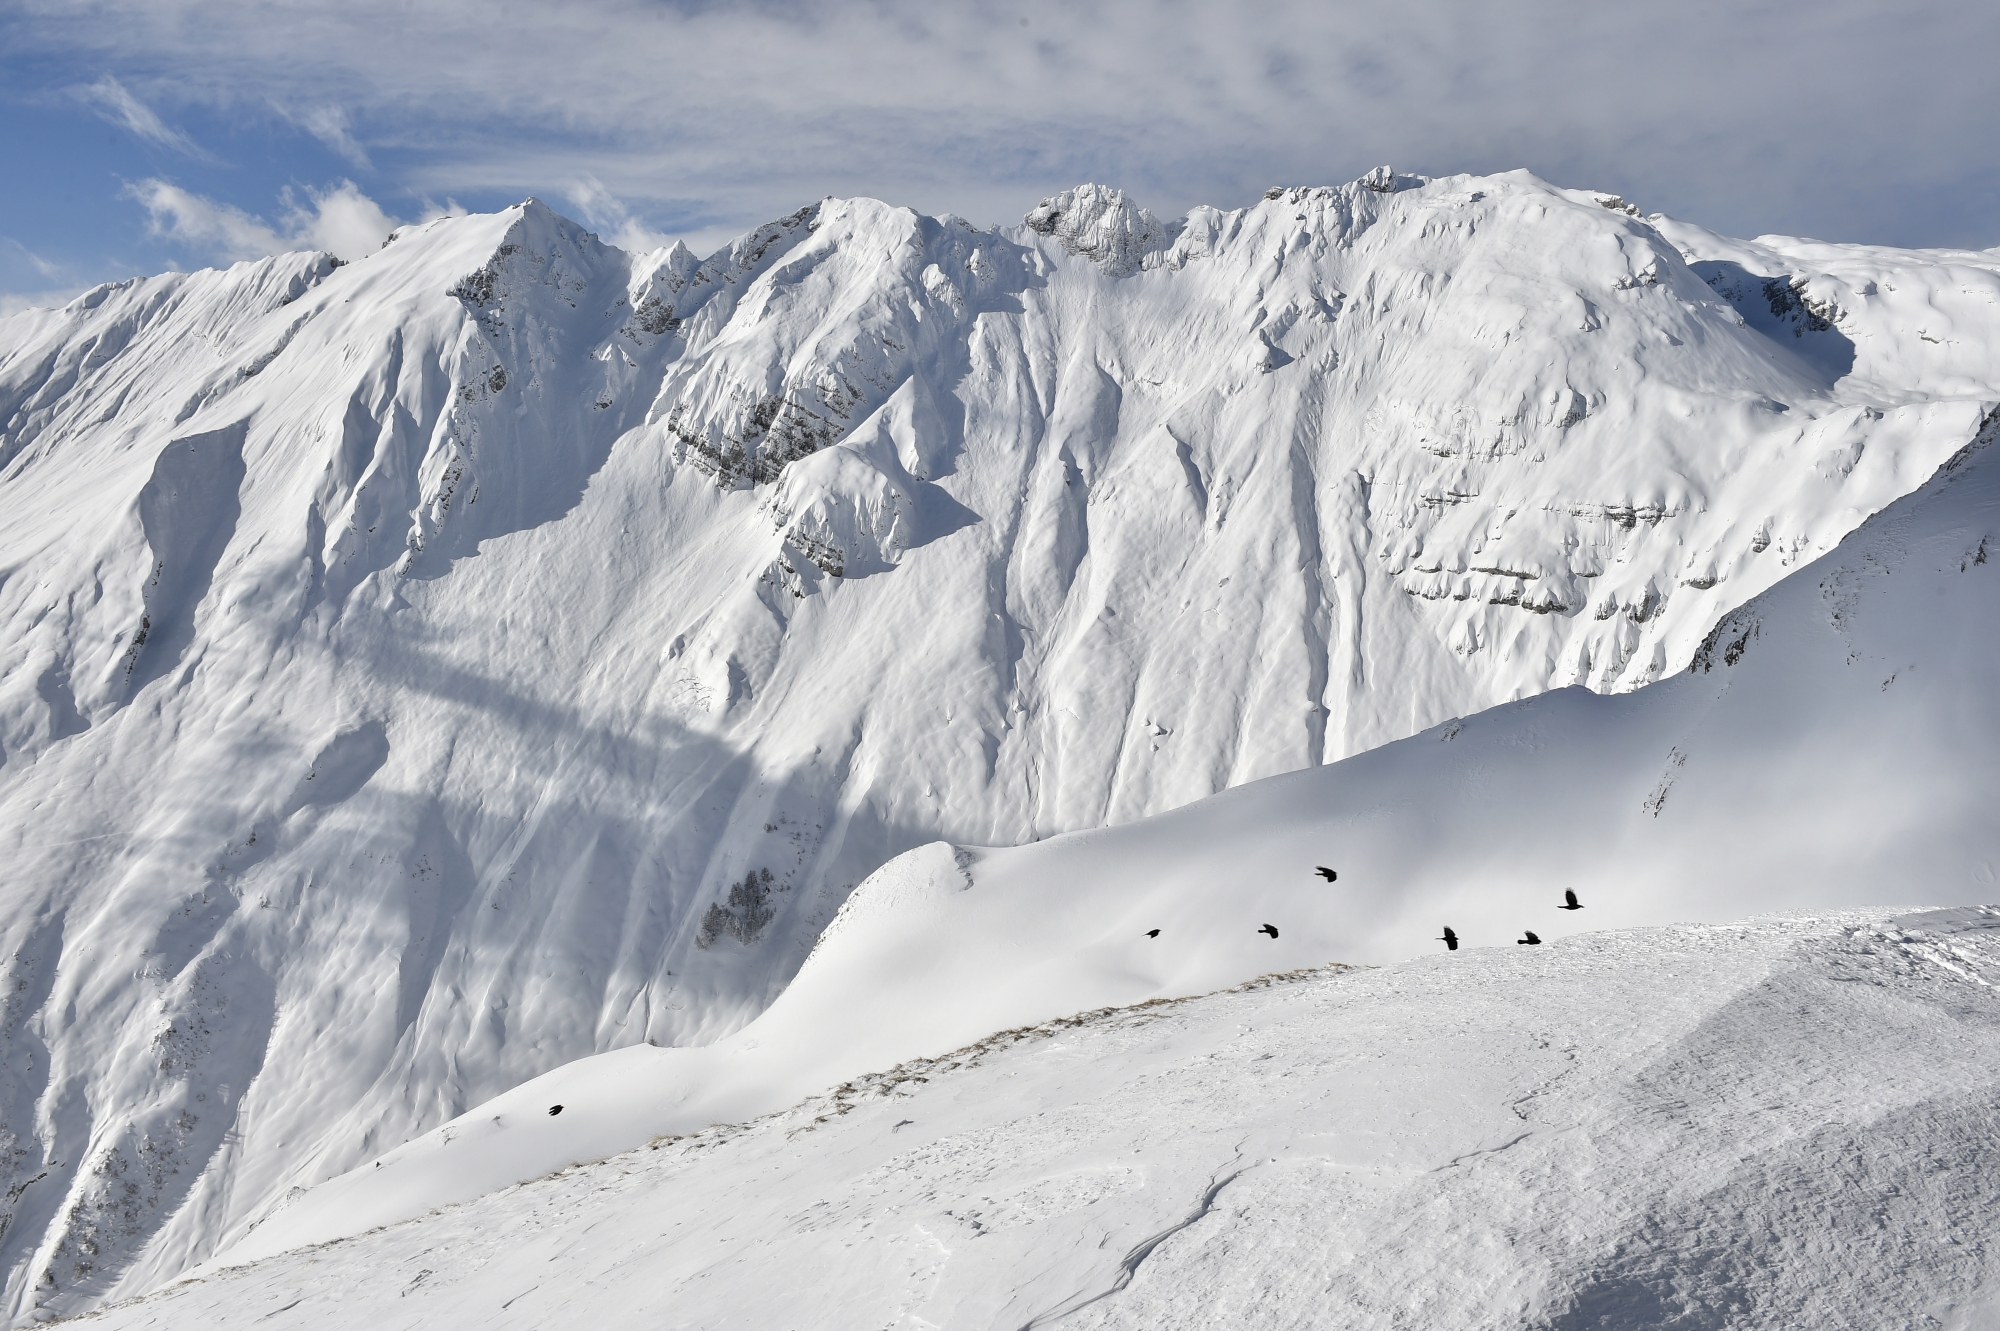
(1101, 224)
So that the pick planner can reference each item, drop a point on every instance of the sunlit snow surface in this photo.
(420, 674)
(1787, 1123)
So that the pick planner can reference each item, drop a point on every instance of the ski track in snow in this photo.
(418, 674)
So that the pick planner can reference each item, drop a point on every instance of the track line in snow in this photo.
(1129, 1265)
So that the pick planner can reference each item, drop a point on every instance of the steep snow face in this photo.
(421, 673)
(1833, 746)
(1780, 1124)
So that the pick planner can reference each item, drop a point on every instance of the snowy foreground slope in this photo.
(1836, 744)
(1781, 1124)
(418, 674)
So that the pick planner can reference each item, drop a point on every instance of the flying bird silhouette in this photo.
(554, 1110)
(1270, 929)
(1449, 939)
(1569, 901)
(1152, 933)
(1326, 873)
(1528, 938)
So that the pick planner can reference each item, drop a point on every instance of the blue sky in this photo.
(141, 135)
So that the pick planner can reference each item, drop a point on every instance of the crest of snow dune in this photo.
(1100, 224)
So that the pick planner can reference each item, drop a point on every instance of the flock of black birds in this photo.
(1528, 938)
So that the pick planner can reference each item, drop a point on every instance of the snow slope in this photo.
(417, 674)
(1778, 1124)
(1835, 744)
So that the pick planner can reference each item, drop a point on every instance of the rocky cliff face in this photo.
(424, 671)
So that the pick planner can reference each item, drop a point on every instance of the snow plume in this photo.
(340, 220)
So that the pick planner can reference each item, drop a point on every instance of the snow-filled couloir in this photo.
(422, 672)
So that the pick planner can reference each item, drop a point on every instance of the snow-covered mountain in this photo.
(422, 672)
(1835, 744)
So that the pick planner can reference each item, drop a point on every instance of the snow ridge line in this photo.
(842, 1098)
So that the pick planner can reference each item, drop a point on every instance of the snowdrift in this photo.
(420, 673)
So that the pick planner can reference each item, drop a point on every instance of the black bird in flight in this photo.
(1449, 939)
(1152, 933)
(1326, 873)
(554, 1110)
(1270, 929)
(1528, 938)
(1569, 901)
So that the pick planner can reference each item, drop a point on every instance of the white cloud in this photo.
(432, 210)
(48, 268)
(1860, 120)
(111, 100)
(15, 302)
(600, 208)
(329, 125)
(340, 220)
(54, 284)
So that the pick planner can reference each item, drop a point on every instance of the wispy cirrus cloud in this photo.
(48, 268)
(329, 124)
(110, 99)
(52, 284)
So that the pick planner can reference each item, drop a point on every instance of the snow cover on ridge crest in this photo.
(1779, 1123)
(1321, 472)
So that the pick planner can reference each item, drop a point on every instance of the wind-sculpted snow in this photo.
(402, 662)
